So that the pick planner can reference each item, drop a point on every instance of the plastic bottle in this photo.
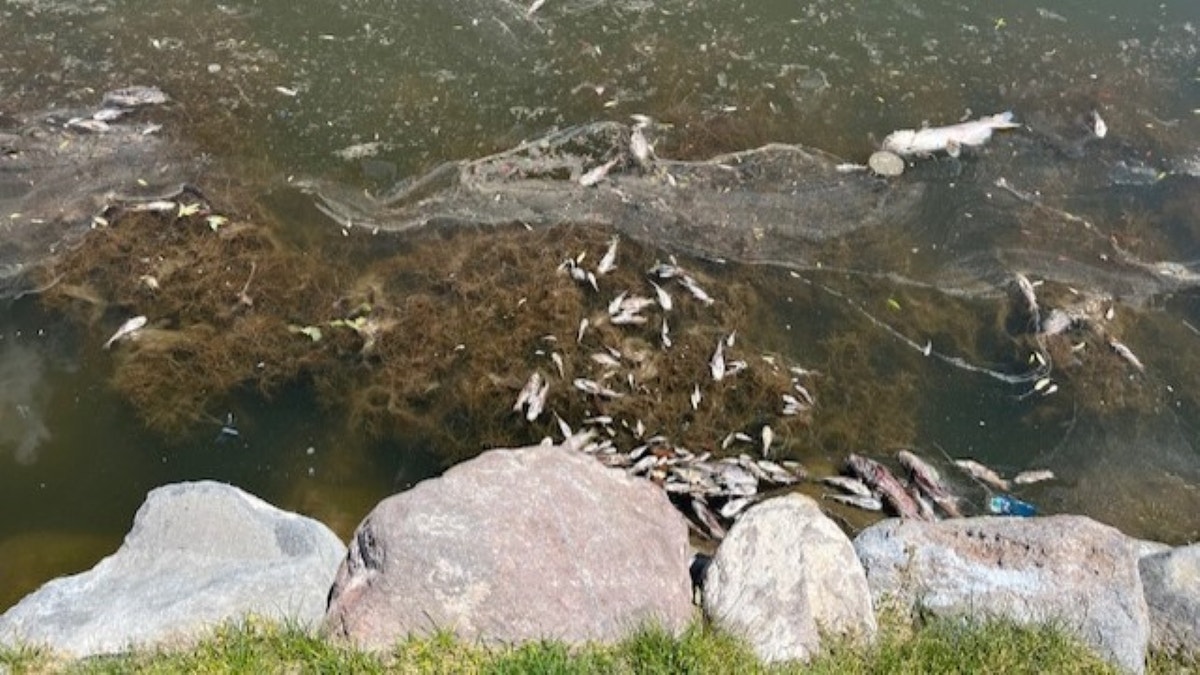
(1007, 505)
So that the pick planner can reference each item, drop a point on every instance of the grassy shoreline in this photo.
(940, 646)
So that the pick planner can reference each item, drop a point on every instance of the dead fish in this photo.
(591, 387)
(949, 139)
(531, 388)
(734, 507)
(583, 326)
(768, 437)
(878, 477)
(696, 398)
(597, 174)
(87, 124)
(606, 360)
(134, 97)
(665, 333)
(694, 288)
(537, 402)
(982, 473)
(708, 519)
(127, 329)
(109, 114)
(864, 502)
(563, 428)
(1096, 122)
(1127, 354)
(716, 364)
(558, 363)
(1033, 476)
(849, 485)
(664, 270)
(776, 473)
(1025, 286)
(639, 147)
(930, 482)
(664, 298)
(534, 7)
(608, 262)
(923, 504)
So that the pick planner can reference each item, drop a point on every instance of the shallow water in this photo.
(265, 91)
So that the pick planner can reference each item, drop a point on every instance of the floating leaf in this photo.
(186, 210)
(216, 221)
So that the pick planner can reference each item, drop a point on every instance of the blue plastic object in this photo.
(1006, 505)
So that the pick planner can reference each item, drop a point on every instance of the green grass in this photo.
(941, 646)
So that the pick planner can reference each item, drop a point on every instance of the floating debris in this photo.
(1006, 505)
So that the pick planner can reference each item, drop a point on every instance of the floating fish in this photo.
(716, 364)
(930, 483)
(849, 485)
(768, 437)
(949, 139)
(696, 397)
(583, 326)
(864, 502)
(694, 288)
(1025, 286)
(1127, 354)
(608, 262)
(127, 329)
(665, 334)
(982, 473)
(1033, 476)
(532, 386)
(664, 298)
(590, 387)
(878, 477)
(1096, 122)
(597, 174)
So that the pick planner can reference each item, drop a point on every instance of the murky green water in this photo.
(265, 91)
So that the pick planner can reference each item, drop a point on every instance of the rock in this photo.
(1068, 570)
(512, 546)
(885, 163)
(1172, 583)
(198, 554)
(785, 575)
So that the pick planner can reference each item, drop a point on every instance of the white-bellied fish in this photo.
(930, 482)
(849, 485)
(950, 139)
(664, 298)
(864, 502)
(716, 365)
(608, 262)
(982, 473)
(1127, 354)
(127, 329)
(1033, 476)
(881, 480)
(597, 174)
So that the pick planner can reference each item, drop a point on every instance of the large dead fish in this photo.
(982, 473)
(930, 483)
(881, 480)
(949, 139)
(128, 328)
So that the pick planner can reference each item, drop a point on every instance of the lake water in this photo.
(268, 95)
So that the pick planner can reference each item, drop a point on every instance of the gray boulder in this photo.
(516, 545)
(199, 554)
(783, 577)
(1068, 570)
(1172, 583)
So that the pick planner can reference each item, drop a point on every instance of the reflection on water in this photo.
(270, 90)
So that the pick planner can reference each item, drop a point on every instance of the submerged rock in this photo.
(1064, 570)
(783, 577)
(199, 554)
(516, 545)
(1172, 583)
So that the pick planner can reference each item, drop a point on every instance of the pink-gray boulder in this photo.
(1065, 570)
(1172, 582)
(516, 545)
(785, 577)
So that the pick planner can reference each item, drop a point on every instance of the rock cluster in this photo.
(544, 542)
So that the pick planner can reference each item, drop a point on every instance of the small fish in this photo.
(949, 139)
(583, 326)
(696, 397)
(982, 473)
(1031, 302)
(1033, 476)
(664, 298)
(1099, 128)
(665, 333)
(717, 363)
(127, 329)
(734, 507)
(87, 124)
(849, 485)
(537, 402)
(558, 363)
(1127, 354)
(591, 387)
(563, 427)
(531, 388)
(109, 114)
(608, 262)
(768, 437)
(597, 174)
(864, 502)
(694, 288)
(606, 360)
(639, 147)
(708, 519)
(534, 7)
(667, 270)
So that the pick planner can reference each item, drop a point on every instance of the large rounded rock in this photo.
(785, 576)
(1065, 570)
(516, 545)
(1172, 583)
(199, 554)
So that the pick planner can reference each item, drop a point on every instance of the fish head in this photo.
(900, 142)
